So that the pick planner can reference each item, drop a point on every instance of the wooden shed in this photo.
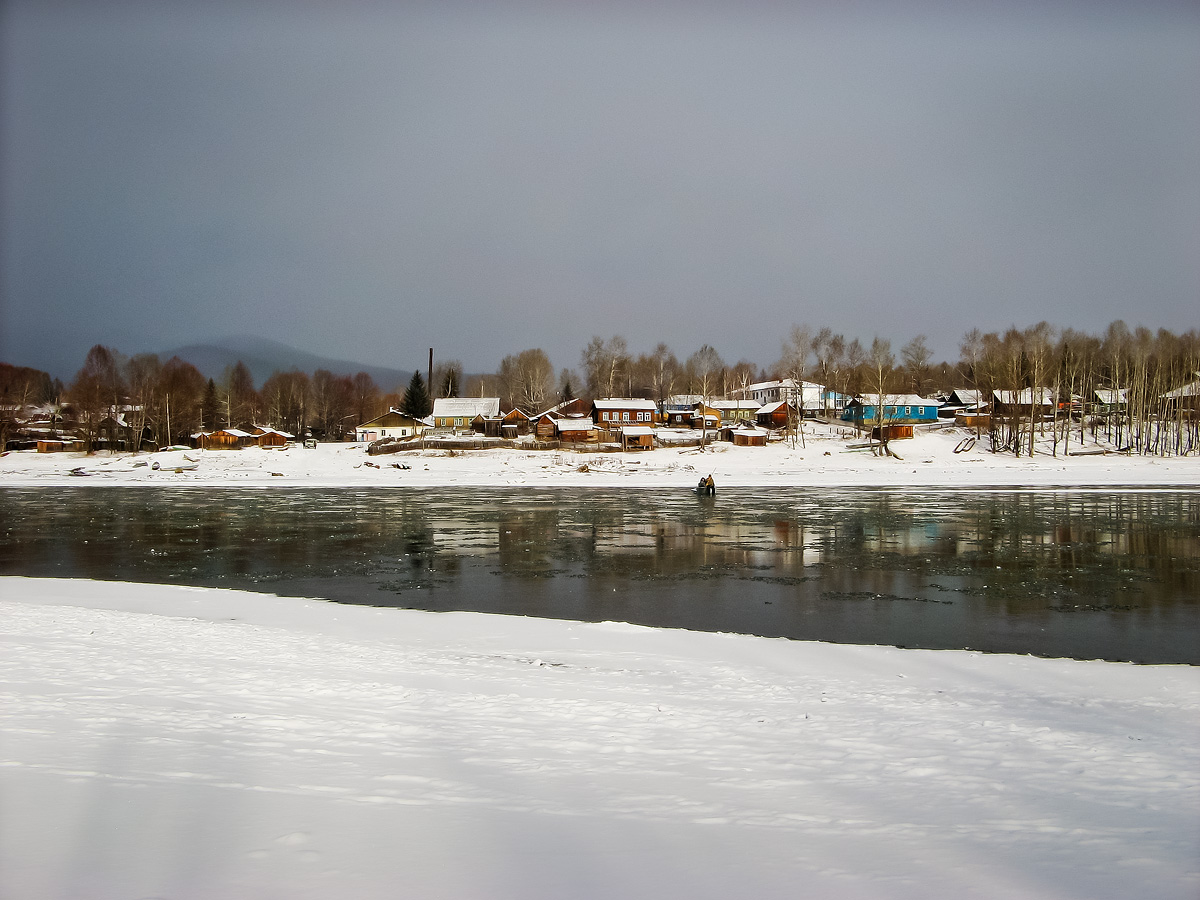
(57, 445)
(891, 432)
(969, 419)
(748, 437)
(270, 437)
(575, 430)
(225, 439)
(773, 415)
(637, 437)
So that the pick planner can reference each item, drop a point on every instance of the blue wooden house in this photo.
(897, 409)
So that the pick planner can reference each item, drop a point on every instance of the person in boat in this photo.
(707, 486)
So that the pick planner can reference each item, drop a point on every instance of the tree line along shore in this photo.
(1140, 388)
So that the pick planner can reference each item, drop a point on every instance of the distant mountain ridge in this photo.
(263, 358)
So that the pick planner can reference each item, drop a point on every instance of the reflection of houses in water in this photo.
(463, 536)
(678, 546)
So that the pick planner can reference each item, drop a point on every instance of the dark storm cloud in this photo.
(368, 181)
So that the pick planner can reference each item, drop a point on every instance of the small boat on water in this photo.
(707, 487)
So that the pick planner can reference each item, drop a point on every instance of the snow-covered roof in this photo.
(1111, 395)
(733, 404)
(1025, 396)
(1191, 389)
(636, 430)
(465, 407)
(771, 407)
(967, 396)
(624, 403)
(574, 424)
(237, 432)
(378, 421)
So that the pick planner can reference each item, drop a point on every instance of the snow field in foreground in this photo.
(161, 741)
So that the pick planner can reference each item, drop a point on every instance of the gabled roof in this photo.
(465, 407)
(966, 396)
(771, 407)
(391, 417)
(636, 430)
(1025, 396)
(574, 424)
(1111, 396)
(733, 404)
(1192, 389)
(566, 408)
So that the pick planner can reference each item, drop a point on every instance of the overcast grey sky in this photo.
(369, 180)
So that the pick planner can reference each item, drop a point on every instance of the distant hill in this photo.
(263, 358)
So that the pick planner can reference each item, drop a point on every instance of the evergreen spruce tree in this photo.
(416, 402)
(210, 417)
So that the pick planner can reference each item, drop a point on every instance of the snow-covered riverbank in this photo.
(187, 743)
(825, 459)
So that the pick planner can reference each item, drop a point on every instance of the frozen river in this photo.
(1088, 573)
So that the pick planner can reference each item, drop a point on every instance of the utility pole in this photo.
(429, 378)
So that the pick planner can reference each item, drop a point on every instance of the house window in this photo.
(907, 411)
(625, 416)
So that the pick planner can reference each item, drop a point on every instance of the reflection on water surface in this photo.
(1112, 574)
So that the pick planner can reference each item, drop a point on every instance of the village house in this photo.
(960, 399)
(508, 425)
(775, 415)
(270, 437)
(1023, 402)
(1184, 397)
(897, 409)
(459, 412)
(222, 439)
(807, 397)
(678, 409)
(733, 411)
(613, 412)
(1106, 401)
(392, 424)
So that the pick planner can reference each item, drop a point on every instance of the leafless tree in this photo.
(96, 391)
(447, 379)
(605, 365)
(365, 397)
(526, 379)
(915, 356)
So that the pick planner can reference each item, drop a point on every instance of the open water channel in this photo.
(1086, 573)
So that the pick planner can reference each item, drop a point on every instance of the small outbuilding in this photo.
(580, 431)
(223, 439)
(637, 437)
(774, 415)
(748, 437)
